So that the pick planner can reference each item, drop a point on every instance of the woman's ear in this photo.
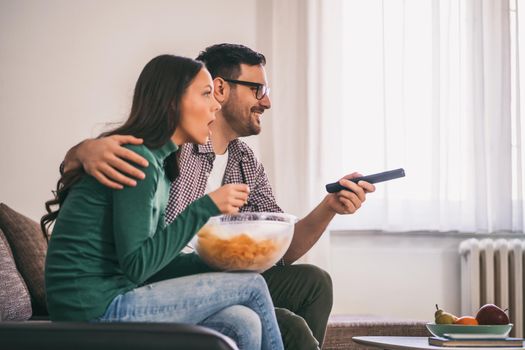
(221, 90)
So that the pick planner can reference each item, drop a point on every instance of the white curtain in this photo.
(517, 35)
(427, 87)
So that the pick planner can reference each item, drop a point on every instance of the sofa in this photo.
(24, 320)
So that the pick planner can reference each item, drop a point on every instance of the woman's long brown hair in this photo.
(154, 116)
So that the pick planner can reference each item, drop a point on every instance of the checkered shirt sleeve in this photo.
(261, 197)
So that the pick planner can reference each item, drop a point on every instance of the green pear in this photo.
(446, 318)
(442, 317)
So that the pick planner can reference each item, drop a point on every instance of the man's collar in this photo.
(206, 148)
(235, 148)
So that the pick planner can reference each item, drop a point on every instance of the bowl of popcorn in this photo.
(244, 241)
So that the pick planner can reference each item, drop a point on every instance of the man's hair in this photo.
(224, 60)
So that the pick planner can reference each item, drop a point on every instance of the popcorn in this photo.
(239, 252)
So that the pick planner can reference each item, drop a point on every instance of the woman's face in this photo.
(197, 112)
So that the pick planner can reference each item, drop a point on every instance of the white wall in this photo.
(395, 274)
(69, 67)
(402, 275)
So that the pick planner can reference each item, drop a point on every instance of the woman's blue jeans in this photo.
(235, 304)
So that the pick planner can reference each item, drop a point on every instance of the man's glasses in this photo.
(261, 90)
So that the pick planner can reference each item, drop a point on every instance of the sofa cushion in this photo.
(15, 303)
(29, 248)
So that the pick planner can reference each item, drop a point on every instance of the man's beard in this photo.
(243, 126)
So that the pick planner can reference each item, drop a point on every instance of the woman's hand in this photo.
(229, 198)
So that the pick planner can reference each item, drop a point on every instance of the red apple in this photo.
(491, 314)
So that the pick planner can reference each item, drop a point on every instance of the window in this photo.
(433, 87)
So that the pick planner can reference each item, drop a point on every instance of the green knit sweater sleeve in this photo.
(144, 244)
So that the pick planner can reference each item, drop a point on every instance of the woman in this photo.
(107, 243)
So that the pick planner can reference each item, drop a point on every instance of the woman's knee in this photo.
(244, 317)
(240, 323)
(259, 285)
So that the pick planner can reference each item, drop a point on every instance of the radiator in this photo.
(492, 272)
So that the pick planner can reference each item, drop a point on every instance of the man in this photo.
(302, 294)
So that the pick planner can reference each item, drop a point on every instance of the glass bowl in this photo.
(245, 241)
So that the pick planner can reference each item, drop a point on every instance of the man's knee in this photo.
(304, 273)
(319, 275)
(318, 279)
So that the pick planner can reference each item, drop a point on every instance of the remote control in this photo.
(374, 178)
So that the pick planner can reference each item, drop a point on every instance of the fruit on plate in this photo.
(490, 314)
(467, 320)
(442, 317)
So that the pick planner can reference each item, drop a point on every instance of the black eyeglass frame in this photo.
(265, 90)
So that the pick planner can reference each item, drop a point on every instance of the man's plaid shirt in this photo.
(196, 162)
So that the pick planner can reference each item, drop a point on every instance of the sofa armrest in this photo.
(44, 335)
